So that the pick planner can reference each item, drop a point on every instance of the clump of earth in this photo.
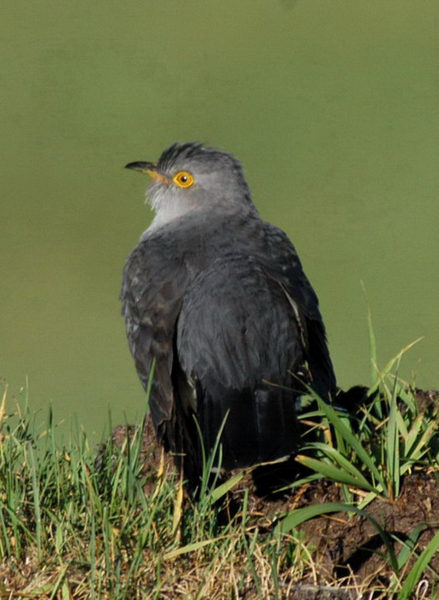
(347, 547)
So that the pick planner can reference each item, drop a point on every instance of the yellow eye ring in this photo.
(184, 179)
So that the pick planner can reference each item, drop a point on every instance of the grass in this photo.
(80, 524)
(373, 451)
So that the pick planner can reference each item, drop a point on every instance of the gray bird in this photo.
(219, 300)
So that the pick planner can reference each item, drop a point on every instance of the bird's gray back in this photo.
(223, 303)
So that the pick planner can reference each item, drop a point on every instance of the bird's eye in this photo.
(184, 179)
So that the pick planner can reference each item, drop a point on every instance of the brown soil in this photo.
(346, 547)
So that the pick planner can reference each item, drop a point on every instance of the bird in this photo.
(219, 312)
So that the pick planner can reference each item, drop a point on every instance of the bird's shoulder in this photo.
(166, 261)
(282, 264)
(277, 255)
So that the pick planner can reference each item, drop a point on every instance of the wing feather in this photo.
(152, 295)
(284, 267)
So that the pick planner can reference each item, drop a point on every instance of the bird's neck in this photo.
(177, 216)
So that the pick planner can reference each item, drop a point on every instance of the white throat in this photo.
(166, 210)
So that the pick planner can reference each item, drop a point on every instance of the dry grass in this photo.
(80, 524)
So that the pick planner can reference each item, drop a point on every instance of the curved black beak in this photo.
(142, 167)
(150, 169)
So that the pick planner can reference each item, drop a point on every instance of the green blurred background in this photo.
(333, 107)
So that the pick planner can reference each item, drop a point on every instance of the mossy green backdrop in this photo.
(333, 107)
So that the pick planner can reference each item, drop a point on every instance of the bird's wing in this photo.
(152, 292)
(281, 262)
(237, 340)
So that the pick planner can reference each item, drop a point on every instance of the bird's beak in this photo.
(148, 168)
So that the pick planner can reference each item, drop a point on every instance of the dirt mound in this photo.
(346, 547)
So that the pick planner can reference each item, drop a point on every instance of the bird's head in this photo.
(191, 177)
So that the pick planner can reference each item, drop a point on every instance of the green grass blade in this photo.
(224, 488)
(212, 462)
(349, 477)
(410, 543)
(36, 498)
(389, 366)
(336, 456)
(369, 498)
(372, 344)
(191, 548)
(412, 434)
(392, 449)
(418, 568)
(350, 439)
(420, 446)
